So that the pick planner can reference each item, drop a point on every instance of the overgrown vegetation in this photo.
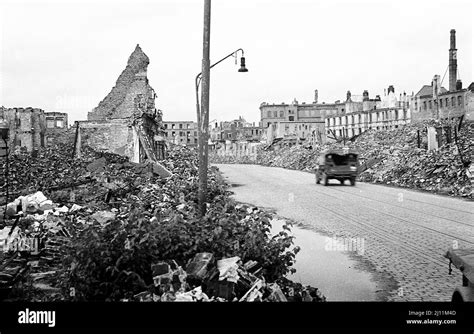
(113, 261)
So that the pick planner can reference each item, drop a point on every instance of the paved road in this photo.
(405, 233)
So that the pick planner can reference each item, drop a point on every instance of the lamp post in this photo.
(203, 110)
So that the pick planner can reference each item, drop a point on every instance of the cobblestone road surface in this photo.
(405, 233)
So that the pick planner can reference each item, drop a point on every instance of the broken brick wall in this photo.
(119, 103)
(115, 136)
(130, 110)
(56, 126)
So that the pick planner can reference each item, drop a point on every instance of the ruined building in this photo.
(300, 121)
(56, 124)
(361, 113)
(26, 127)
(181, 132)
(435, 102)
(32, 128)
(126, 121)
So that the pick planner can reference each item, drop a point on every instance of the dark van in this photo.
(337, 164)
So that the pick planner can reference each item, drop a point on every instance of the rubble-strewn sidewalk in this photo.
(101, 228)
(400, 162)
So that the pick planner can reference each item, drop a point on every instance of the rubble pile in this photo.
(33, 245)
(94, 177)
(403, 164)
(400, 162)
(100, 228)
(207, 279)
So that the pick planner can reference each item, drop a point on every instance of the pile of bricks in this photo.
(403, 164)
(207, 279)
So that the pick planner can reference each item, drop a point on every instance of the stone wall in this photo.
(115, 136)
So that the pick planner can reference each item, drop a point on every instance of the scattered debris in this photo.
(67, 196)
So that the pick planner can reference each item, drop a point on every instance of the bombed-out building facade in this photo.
(182, 133)
(361, 113)
(31, 128)
(436, 102)
(299, 122)
(126, 121)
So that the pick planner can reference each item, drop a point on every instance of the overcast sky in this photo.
(66, 56)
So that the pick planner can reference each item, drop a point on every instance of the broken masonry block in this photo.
(96, 165)
(160, 170)
(254, 292)
(276, 294)
(221, 289)
(252, 267)
(160, 268)
(103, 217)
(12, 209)
(173, 265)
(228, 269)
(145, 296)
(250, 264)
(198, 267)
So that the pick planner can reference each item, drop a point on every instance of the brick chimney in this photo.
(435, 84)
(453, 62)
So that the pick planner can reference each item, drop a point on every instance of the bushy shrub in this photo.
(114, 262)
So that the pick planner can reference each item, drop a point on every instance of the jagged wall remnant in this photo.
(119, 103)
(125, 115)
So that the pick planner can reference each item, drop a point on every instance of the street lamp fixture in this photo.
(242, 64)
(242, 69)
(233, 54)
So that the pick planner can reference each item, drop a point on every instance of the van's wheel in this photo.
(317, 177)
(353, 181)
(325, 179)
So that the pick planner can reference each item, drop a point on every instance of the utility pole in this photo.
(204, 119)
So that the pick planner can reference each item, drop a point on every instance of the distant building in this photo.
(181, 132)
(435, 102)
(298, 132)
(361, 114)
(56, 123)
(238, 129)
(235, 138)
(277, 119)
(26, 127)
(297, 112)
